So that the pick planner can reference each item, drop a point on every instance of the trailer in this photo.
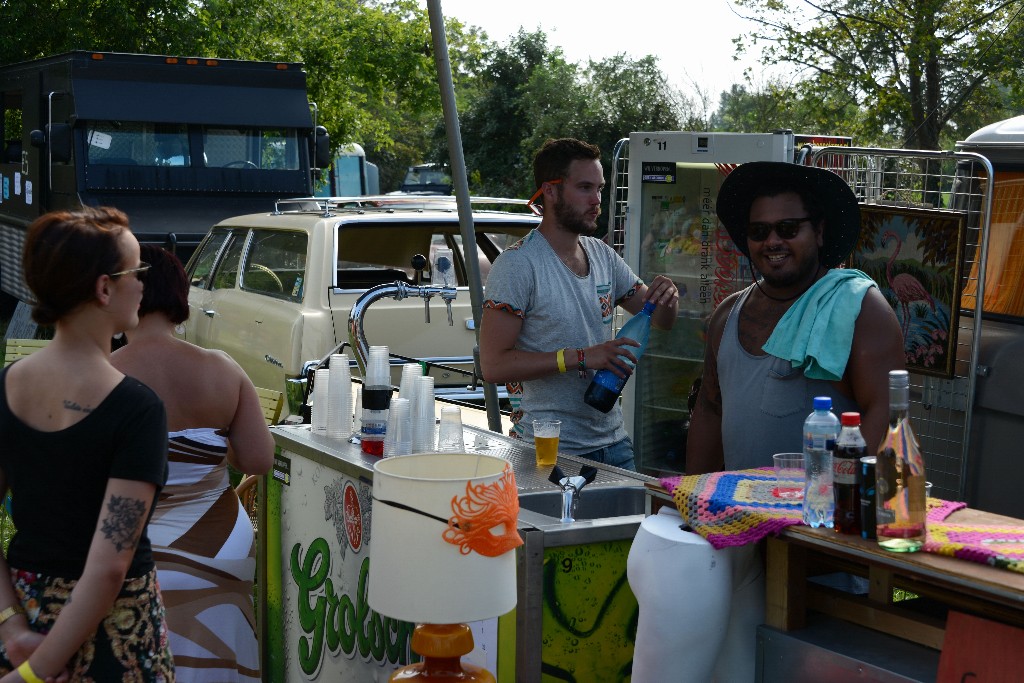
(177, 143)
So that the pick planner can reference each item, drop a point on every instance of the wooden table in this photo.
(943, 583)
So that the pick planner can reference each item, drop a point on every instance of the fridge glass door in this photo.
(683, 239)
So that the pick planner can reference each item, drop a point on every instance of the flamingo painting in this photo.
(904, 286)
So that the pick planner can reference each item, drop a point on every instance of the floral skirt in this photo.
(130, 644)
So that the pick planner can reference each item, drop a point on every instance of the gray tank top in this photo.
(764, 400)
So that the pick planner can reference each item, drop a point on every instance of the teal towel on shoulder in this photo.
(816, 333)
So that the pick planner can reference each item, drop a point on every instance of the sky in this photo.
(691, 45)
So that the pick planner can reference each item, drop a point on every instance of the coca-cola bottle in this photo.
(850, 448)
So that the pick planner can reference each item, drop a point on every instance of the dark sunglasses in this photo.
(139, 272)
(786, 229)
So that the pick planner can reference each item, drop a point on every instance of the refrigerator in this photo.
(671, 228)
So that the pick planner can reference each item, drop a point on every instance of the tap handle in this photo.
(419, 262)
(556, 476)
(448, 303)
(588, 473)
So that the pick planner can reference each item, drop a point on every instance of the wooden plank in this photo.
(880, 584)
(272, 403)
(918, 628)
(785, 585)
(15, 349)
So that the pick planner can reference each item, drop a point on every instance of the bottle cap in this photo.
(649, 307)
(823, 403)
(850, 419)
(899, 379)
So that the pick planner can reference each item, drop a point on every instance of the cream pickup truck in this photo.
(275, 290)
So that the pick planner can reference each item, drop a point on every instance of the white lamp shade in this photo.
(415, 574)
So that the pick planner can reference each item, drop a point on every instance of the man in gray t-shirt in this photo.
(549, 304)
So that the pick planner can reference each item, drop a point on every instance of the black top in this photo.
(58, 479)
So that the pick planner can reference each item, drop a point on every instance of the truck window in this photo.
(276, 264)
(251, 148)
(10, 128)
(135, 143)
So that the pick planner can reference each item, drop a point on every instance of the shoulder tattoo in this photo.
(121, 525)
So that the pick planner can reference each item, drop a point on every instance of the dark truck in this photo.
(177, 143)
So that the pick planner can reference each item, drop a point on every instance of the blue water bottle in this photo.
(604, 390)
(821, 428)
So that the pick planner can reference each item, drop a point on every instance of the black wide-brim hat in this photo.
(836, 199)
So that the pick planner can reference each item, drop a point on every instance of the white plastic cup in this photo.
(377, 371)
(398, 439)
(339, 398)
(321, 380)
(450, 438)
(423, 416)
(407, 386)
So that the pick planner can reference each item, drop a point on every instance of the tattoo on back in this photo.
(72, 405)
(122, 522)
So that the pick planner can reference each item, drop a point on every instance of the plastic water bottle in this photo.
(820, 431)
(606, 386)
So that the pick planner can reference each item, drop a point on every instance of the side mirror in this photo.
(60, 141)
(321, 148)
(56, 138)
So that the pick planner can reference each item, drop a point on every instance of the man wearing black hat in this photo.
(804, 328)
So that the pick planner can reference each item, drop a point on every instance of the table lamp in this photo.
(442, 553)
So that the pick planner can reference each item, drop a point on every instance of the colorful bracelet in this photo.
(559, 356)
(26, 672)
(9, 612)
(581, 363)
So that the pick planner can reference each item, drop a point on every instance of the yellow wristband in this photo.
(26, 672)
(9, 612)
(560, 357)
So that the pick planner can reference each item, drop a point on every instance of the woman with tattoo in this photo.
(202, 537)
(85, 455)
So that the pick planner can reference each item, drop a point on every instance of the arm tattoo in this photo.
(122, 522)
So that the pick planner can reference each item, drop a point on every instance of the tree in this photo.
(912, 66)
(528, 93)
(31, 30)
(777, 104)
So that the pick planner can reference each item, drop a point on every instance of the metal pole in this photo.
(460, 183)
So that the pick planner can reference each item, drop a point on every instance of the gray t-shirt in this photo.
(560, 309)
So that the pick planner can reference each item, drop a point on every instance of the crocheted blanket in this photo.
(996, 545)
(733, 508)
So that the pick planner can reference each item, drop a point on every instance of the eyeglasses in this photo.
(786, 229)
(139, 272)
(537, 210)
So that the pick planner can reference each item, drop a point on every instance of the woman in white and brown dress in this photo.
(202, 537)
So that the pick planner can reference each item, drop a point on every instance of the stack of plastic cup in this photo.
(376, 399)
(398, 439)
(321, 379)
(423, 416)
(407, 387)
(339, 398)
(449, 433)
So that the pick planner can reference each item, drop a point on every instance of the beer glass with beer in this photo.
(545, 441)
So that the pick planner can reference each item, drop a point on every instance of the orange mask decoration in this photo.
(484, 520)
